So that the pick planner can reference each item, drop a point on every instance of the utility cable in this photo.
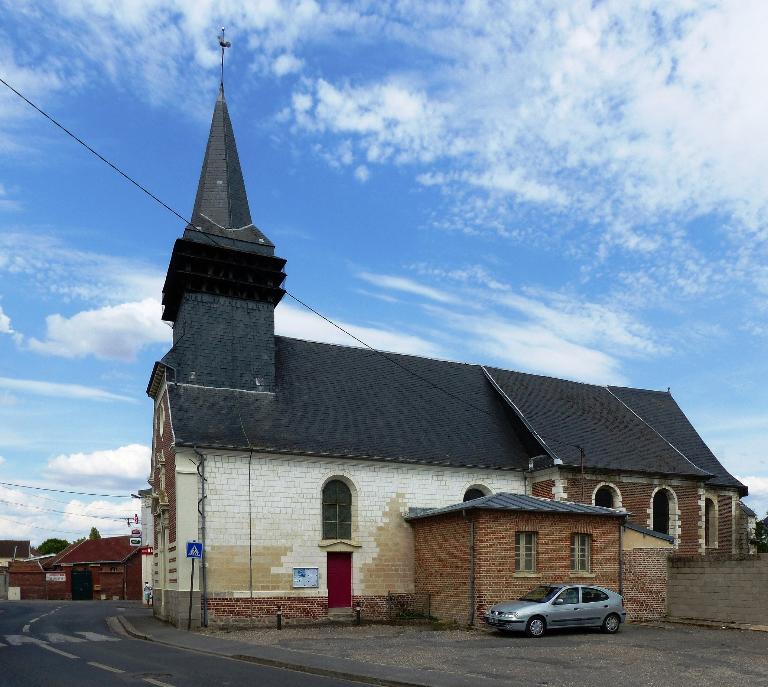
(149, 193)
(50, 510)
(63, 491)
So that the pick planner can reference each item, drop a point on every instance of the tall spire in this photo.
(221, 203)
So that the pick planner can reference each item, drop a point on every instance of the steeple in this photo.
(221, 204)
(224, 279)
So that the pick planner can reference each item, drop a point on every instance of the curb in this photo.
(276, 663)
(720, 625)
(131, 630)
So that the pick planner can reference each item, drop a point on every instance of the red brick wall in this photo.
(645, 583)
(442, 564)
(495, 553)
(134, 585)
(636, 498)
(32, 582)
(263, 611)
(111, 582)
(543, 489)
(442, 557)
(724, 531)
(59, 590)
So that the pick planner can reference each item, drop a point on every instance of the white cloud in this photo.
(124, 467)
(115, 332)
(286, 64)
(302, 324)
(5, 323)
(57, 390)
(395, 283)
(362, 173)
(758, 493)
(2, 460)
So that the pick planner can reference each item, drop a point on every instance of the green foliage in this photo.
(94, 534)
(52, 545)
(761, 537)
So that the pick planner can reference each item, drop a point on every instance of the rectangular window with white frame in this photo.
(581, 552)
(525, 552)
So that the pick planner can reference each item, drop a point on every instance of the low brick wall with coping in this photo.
(645, 583)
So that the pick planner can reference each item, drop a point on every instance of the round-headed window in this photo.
(661, 511)
(604, 497)
(337, 510)
(473, 493)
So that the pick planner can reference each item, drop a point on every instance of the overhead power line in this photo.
(53, 529)
(64, 491)
(63, 512)
(149, 193)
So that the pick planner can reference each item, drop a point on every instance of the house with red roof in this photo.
(107, 568)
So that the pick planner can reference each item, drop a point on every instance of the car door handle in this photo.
(575, 608)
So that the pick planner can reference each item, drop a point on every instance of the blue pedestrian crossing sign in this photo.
(194, 549)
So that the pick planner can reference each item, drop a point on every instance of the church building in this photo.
(310, 472)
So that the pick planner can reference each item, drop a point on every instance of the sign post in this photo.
(195, 552)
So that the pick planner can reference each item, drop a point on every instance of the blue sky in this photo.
(577, 192)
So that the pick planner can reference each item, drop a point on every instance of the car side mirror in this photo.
(558, 602)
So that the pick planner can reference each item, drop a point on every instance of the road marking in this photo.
(25, 628)
(152, 681)
(96, 637)
(34, 620)
(103, 667)
(18, 640)
(58, 638)
(48, 647)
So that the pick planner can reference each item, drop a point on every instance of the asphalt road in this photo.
(44, 643)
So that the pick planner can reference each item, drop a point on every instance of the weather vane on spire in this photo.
(224, 44)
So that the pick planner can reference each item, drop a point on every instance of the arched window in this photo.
(473, 493)
(661, 511)
(337, 510)
(710, 523)
(604, 497)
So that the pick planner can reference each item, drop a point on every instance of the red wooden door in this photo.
(339, 580)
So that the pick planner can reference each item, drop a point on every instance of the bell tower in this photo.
(223, 280)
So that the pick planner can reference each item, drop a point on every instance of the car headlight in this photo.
(512, 615)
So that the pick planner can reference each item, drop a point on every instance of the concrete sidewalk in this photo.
(142, 625)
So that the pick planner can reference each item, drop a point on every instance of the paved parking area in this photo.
(639, 655)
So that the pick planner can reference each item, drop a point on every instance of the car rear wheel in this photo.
(611, 623)
(535, 626)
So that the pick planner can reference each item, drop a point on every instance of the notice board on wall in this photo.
(305, 577)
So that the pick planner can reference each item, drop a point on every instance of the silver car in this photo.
(550, 606)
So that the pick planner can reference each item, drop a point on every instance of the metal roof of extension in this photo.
(519, 503)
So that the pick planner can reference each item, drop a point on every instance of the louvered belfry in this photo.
(223, 280)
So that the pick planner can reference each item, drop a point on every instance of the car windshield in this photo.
(541, 594)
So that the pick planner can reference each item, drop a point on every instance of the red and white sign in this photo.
(146, 550)
(135, 533)
(136, 518)
(55, 577)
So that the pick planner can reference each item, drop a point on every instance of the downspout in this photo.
(201, 511)
(621, 555)
(471, 618)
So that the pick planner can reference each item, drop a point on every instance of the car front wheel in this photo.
(611, 623)
(535, 627)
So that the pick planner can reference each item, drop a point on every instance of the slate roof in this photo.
(21, 546)
(661, 411)
(520, 503)
(221, 204)
(747, 510)
(650, 533)
(568, 414)
(104, 550)
(352, 402)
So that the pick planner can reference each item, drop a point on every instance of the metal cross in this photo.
(224, 44)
